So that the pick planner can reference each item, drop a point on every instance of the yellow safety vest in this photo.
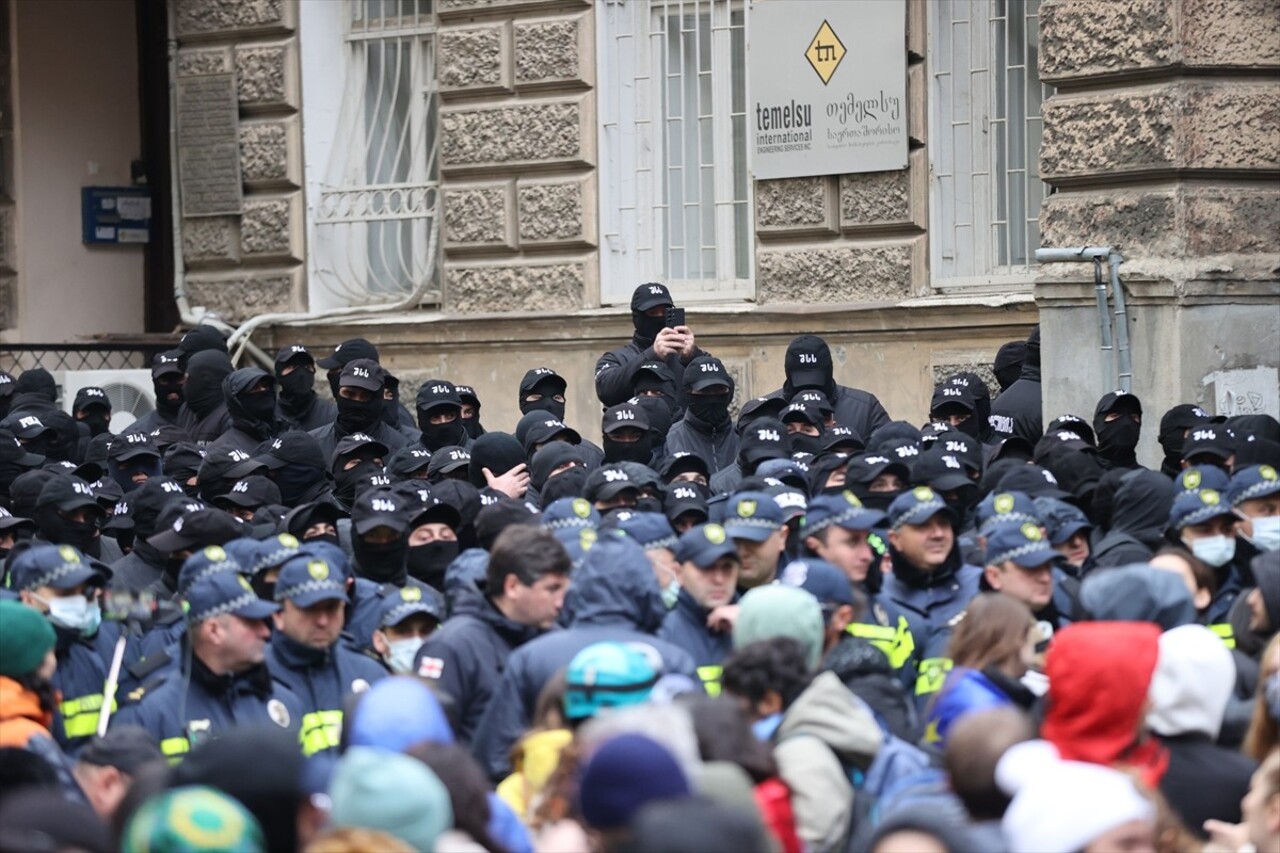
(710, 677)
(321, 730)
(80, 715)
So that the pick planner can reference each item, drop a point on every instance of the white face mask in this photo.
(1217, 551)
(1266, 533)
(75, 613)
(671, 594)
(402, 654)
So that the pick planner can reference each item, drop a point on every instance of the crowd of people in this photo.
(265, 618)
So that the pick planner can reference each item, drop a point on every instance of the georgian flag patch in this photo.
(431, 667)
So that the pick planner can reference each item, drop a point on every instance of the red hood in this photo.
(1099, 673)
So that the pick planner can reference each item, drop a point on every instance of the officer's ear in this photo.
(277, 621)
(841, 618)
(991, 574)
(380, 643)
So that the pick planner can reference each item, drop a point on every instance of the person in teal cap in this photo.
(27, 664)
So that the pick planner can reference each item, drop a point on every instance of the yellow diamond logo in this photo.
(825, 52)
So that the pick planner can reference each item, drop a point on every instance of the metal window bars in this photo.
(377, 217)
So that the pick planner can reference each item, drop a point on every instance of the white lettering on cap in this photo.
(768, 435)
(614, 476)
(29, 421)
(808, 358)
(382, 505)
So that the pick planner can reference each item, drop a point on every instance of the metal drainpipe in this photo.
(1095, 254)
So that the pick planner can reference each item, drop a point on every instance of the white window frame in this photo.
(965, 218)
(343, 203)
(634, 161)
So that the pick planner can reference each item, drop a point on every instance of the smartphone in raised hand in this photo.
(675, 317)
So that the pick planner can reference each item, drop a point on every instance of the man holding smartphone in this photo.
(655, 338)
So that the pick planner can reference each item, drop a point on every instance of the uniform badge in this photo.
(359, 685)
(318, 569)
(715, 534)
(581, 507)
(1031, 532)
(1209, 497)
(410, 593)
(1267, 473)
(922, 493)
(882, 617)
(1191, 480)
(1004, 503)
(747, 508)
(278, 713)
(431, 667)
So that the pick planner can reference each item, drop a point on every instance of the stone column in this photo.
(250, 264)
(1163, 141)
(518, 141)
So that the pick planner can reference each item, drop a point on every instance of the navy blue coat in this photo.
(686, 627)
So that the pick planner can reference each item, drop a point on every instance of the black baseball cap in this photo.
(467, 394)
(624, 416)
(378, 507)
(650, 295)
(347, 351)
(1075, 424)
(125, 748)
(802, 412)
(765, 438)
(685, 497)
(164, 363)
(294, 447)
(197, 528)
(682, 462)
(546, 428)
(408, 460)
(448, 459)
(131, 444)
(946, 395)
(843, 438)
(540, 376)
(251, 492)
(1118, 401)
(706, 371)
(357, 441)
(91, 396)
(26, 426)
(13, 453)
(1208, 440)
(362, 373)
(67, 493)
(943, 472)
(290, 352)
(808, 362)
(608, 481)
(437, 393)
(865, 467)
(227, 463)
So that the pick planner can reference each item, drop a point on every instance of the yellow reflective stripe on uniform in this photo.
(933, 672)
(321, 730)
(80, 715)
(1225, 633)
(710, 678)
(175, 748)
(898, 644)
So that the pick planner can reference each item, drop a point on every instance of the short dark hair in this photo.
(527, 552)
(780, 664)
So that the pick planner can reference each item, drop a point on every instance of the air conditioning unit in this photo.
(130, 392)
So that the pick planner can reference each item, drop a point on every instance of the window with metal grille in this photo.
(984, 144)
(675, 191)
(376, 217)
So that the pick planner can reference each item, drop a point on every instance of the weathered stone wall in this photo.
(857, 239)
(1162, 142)
(518, 138)
(253, 263)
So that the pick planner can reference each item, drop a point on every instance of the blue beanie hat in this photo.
(625, 774)
(398, 712)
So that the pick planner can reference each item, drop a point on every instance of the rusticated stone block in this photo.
(853, 273)
(1231, 33)
(210, 239)
(1136, 223)
(793, 204)
(1120, 133)
(548, 51)
(269, 226)
(552, 212)
(484, 289)
(512, 135)
(208, 17)
(265, 76)
(265, 148)
(478, 215)
(195, 63)
(1232, 126)
(238, 296)
(1089, 38)
(872, 198)
(1224, 220)
(471, 58)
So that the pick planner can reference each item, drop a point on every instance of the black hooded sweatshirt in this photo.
(204, 410)
(1019, 410)
(1139, 518)
(248, 427)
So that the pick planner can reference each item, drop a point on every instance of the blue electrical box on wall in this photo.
(115, 216)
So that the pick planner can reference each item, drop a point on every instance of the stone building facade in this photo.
(1157, 137)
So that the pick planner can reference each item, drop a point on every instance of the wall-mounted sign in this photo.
(828, 81)
(114, 216)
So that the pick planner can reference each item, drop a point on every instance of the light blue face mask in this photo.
(671, 593)
(1266, 533)
(75, 613)
(402, 654)
(1217, 551)
(764, 727)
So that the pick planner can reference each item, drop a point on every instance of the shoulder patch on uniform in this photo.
(431, 667)
(278, 713)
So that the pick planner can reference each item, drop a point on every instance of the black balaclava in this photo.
(1173, 431)
(636, 451)
(391, 405)
(803, 443)
(203, 388)
(383, 562)
(296, 481)
(356, 415)
(436, 436)
(252, 413)
(60, 530)
(169, 393)
(711, 409)
(647, 327)
(97, 419)
(298, 387)
(1007, 366)
(547, 388)
(497, 451)
(37, 381)
(350, 481)
(661, 413)
(63, 444)
(1118, 439)
(428, 562)
(808, 364)
(571, 483)
(122, 472)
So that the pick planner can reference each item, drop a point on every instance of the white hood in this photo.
(1192, 684)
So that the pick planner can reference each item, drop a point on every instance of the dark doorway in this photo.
(160, 311)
